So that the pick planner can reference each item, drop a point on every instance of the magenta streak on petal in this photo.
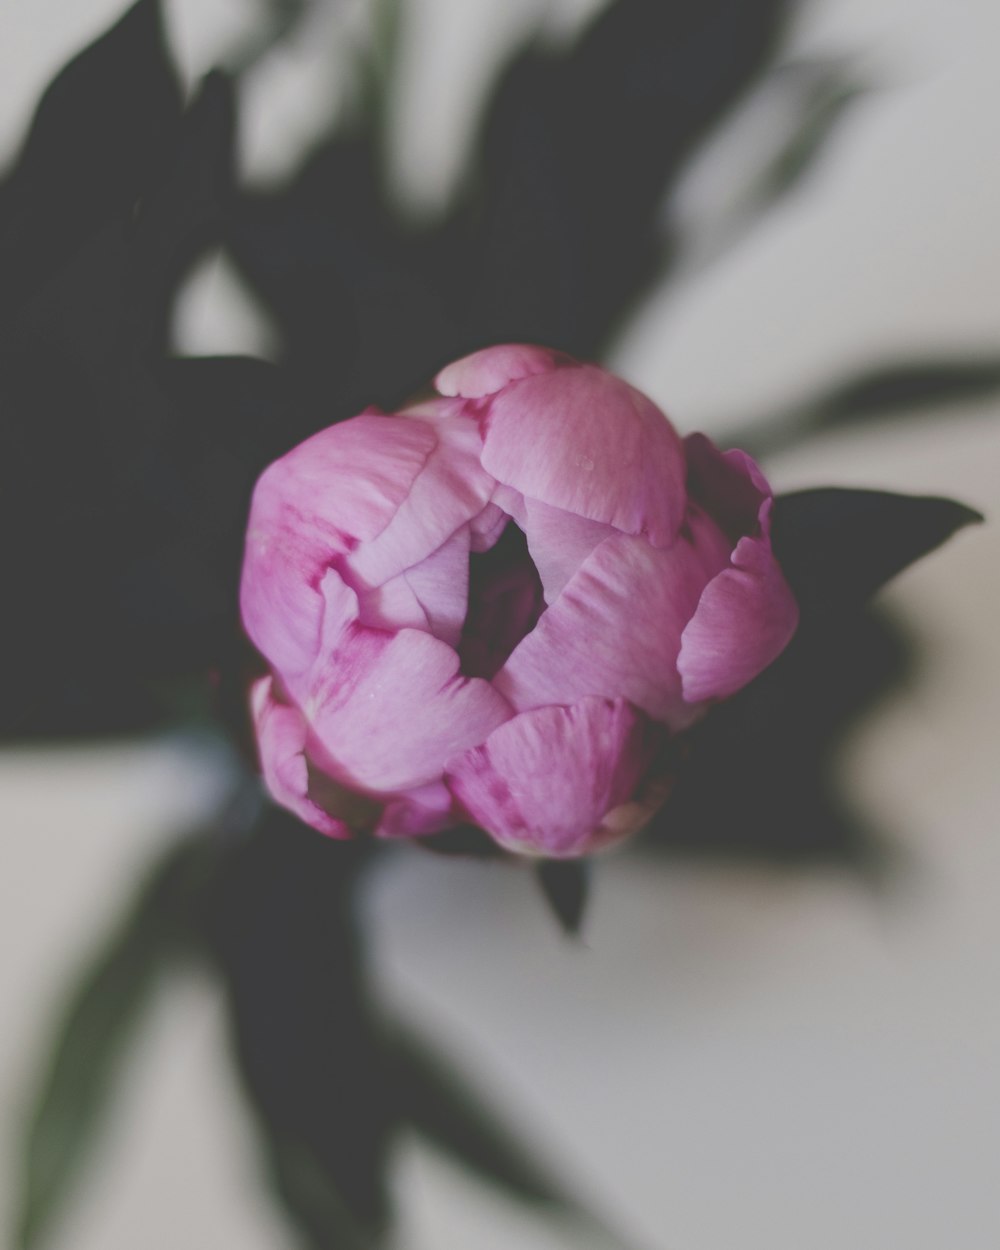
(486, 371)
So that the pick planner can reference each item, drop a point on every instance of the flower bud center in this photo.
(505, 603)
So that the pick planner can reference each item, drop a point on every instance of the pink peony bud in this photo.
(499, 605)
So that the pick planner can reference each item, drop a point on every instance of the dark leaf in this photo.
(100, 136)
(578, 151)
(359, 321)
(282, 928)
(824, 93)
(438, 1103)
(565, 885)
(441, 1106)
(131, 475)
(898, 390)
(905, 387)
(837, 547)
(99, 1026)
(188, 212)
(776, 743)
(759, 779)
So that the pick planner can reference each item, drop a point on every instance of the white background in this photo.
(736, 1059)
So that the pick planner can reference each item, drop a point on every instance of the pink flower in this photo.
(499, 605)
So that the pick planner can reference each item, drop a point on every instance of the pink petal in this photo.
(543, 783)
(387, 710)
(451, 489)
(392, 606)
(431, 596)
(559, 543)
(416, 813)
(281, 739)
(747, 614)
(584, 441)
(338, 488)
(745, 619)
(486, 371)
(487, 526)
(615, 630)
(441, 585)
(727, 484)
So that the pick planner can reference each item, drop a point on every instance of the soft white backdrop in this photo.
(736, 1059)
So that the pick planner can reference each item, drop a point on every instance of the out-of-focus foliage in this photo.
(126, 475)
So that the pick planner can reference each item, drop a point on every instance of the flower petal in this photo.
(559, 542)
(485, 372)
(487, 526)
(745, 619)
(338, 488)
(747, 613)
(616, 628)
(584, 441)
(418, 812)
(441, 585)
(392, 606)
(451, 489)
(281, 739)
(388, 710)
(544, 782)
(727, 484)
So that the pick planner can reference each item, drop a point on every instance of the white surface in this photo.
(738, 1060)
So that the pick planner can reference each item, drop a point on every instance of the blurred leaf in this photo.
(280, 923)
(99, 1025)
(837, 546)
(565, 885)
(894, 390)
(776, 743)
(100, 135)
(824, 91)
(557, 234)
(127, 473)
(904, 387)
(760, 777)
(442, 1108)
(578, 151)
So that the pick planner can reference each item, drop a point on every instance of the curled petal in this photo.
(338, 488)
(486, 371)
(431, 596)
(747, 613)
(392, 606)
(449, 491)
(616, 628)
(584, 441)
(441, 585)
(559, 542)
(416, 813)
(367, 680)
(729, 485)
(487, 526)
(745, 619)
(544, 782)
(281, 741)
